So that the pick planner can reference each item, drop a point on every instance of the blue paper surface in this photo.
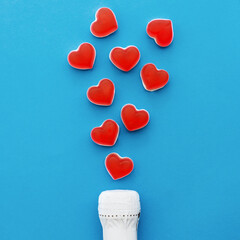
(187, 160)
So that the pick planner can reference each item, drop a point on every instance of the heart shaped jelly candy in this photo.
(161, 30)
(125, 58)
(105, 23)
(102, 94)
(118, 167)
(152, 78)
(82, 58)
(106, 134)
(134, 119)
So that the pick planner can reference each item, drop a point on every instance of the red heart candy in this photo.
(134, 119)
(125, 58)
(118, 167)
(161, 30)
(152, 78)
(102, 94)
(82, 58)
(105, 23)
(106, 134)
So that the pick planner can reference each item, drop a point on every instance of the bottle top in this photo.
(119, 203)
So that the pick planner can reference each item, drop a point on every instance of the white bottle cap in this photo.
(119, 203)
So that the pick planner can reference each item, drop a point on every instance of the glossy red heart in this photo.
(102, 94)
(118, 167)
(82, 58)
(105, 23)
(134, 119)
(125, 58)
(152, 78)
(106, 134)
(161, 30)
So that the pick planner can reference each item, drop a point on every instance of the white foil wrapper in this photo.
(119, 212)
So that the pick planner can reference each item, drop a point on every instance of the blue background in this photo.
(187, 160)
